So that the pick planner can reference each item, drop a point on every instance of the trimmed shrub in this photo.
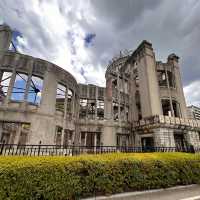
(89, 175)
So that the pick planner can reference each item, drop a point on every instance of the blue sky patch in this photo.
(16, 34)
(89, 38)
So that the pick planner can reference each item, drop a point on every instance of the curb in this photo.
(128, 195)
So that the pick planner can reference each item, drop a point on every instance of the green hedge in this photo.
(83, 176)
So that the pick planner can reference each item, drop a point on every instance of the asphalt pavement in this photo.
(191, 192)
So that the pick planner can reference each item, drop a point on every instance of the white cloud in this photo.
(192, 93)
(55, 30)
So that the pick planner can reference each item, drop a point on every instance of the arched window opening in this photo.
(91, 104)
(137, 81)
(138, 104)
(166, 107)
(4, 84)
(35, 90)
(100, 109)
(83, 108)
(162, 78)
(58, 135)
(115, 111)
(19, 87)
(60, 97)
(69, 101)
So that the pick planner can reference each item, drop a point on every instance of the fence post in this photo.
(2, 147)
(39, 146)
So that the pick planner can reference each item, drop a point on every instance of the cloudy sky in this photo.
(82, 36)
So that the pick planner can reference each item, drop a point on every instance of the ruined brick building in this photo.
(143, 103)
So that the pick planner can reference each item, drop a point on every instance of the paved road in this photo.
(182, 193)
(191, 192)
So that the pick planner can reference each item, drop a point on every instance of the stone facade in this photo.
(143, 103)
(193, 112)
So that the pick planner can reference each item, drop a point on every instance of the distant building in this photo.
(193, 112)
(143, 103)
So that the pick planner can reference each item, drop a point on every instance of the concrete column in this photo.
(28, 83)
(108, 104)
(148, 85)
(174, 61)
(125, 103)
(193, 138)
(1, 130)
(73, 104)
(118, 97)
(62, 136)
(10, 87)
(96, 100)
(5, 37)
(109, 137)
(169, 92)
(133, 111)
(1, 75)
(137, 140)
(65, 116)
(1, 87)
(79, 141)
(65, 105)
(76, 111)
(87, 102)
(164, 137)
(95, 141)
(73, 138)
(85, 142)
(18, 134)
(48, 100)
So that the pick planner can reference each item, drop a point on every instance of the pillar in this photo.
(87, 102)
(18, 134)
(137, 140)
(193, 139)
(95, 141)
(96, 100)
(28, 83)
(174, 61)
(108, 104)
(48, 100)
(148, 85)
(5, 37)
(109, 137)
(1, 131)
(85, 141)
(1, 75)
(163, 137)
(118, 96)
(64, 117)
(73, 104)
(169, 91)
(10, 87)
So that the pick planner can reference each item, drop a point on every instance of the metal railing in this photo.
(58, 150)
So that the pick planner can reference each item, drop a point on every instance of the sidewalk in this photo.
(190, 192)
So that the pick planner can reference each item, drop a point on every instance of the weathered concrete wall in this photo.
(164, 137)
(43, 116)
(148, 85)
(5, 37)
(47, 122)
(193, 138)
